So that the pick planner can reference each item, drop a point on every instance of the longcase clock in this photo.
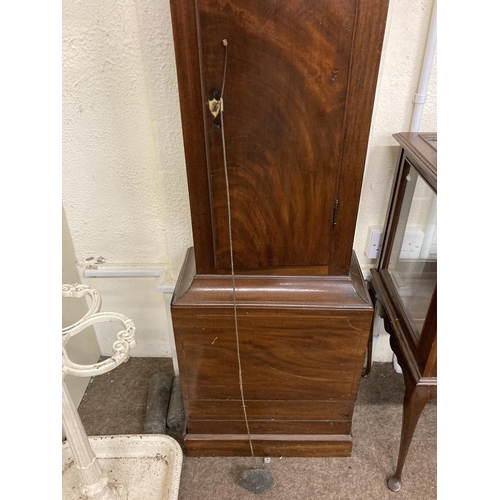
(298, 78)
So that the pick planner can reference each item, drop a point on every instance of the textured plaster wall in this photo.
(157, 44)
(112, 185)
(124, 181)
(404, 47)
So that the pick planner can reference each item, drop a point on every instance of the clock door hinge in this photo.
(335, 211)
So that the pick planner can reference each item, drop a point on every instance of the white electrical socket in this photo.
(412, 244)
(373, 242)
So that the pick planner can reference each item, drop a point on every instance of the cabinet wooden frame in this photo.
(416, 351)
(415, 153)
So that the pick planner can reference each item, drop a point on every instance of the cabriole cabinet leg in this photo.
(415, 399)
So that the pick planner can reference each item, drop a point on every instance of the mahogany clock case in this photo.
(298, 98)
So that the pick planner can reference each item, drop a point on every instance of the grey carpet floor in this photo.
(115, 403)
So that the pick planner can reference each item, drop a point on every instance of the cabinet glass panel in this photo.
(413, 260)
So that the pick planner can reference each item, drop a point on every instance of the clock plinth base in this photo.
(302, 344)
(268, 445)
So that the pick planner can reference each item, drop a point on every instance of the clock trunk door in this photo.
(284, 107)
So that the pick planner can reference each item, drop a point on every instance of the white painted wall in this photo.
(124, 181)
(112, 183)
(404, 46)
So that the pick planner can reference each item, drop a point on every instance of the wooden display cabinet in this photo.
(405, 280)
(298, 99)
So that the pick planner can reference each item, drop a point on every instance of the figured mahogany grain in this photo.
(298, 99)
(302, 343)
(284, 106)
(284, 354)
(271, 410)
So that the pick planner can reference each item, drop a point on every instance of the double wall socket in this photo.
(412, 243)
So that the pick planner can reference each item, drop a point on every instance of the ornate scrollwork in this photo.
(94, 483)
(78, 291)
(121, 347)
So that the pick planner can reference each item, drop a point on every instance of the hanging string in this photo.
(224, 43)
